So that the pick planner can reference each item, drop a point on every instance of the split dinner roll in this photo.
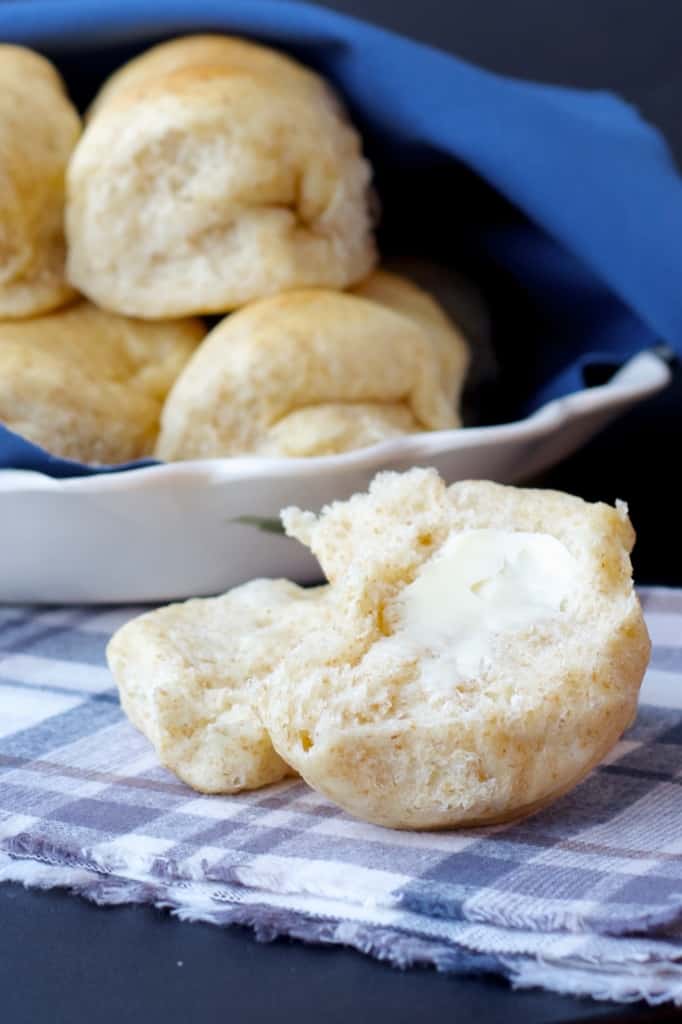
(477, 651)
(87, 385)
(315, 372)
(38, 130)
(190, 675)
(486, 652)
(213, 172)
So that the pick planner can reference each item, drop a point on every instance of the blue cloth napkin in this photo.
(564, 204)
(583, 897)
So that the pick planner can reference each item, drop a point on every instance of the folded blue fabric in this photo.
(564, 205)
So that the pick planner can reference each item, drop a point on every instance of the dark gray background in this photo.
(64, 961)
(631, 46)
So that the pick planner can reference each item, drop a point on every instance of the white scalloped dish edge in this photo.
(177, 530)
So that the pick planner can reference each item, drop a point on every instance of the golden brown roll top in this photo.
(213, 172)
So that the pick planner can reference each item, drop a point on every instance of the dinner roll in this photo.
(403, 296)
(486, 652)
(88, 385)
(213, 172)
(189, 677)
(312, 372)
(38, 129)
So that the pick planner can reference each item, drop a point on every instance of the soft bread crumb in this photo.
(189, 678)
(402, 746)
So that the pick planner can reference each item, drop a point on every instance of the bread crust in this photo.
(213, 172)
(88, 385)
(39, 128)
(333, 690)
(316, 372)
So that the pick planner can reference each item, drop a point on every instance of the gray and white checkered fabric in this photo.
(584, 897)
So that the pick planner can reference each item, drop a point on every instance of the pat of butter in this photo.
(482, 583)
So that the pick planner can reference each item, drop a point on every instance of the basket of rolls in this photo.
(245, 264)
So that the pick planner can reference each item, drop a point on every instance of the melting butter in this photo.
(482, 583)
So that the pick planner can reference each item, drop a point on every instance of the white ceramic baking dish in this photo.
(197, 528)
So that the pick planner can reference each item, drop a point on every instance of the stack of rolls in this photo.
(212, 176)
(82, 382)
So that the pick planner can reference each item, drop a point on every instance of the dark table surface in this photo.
(63, 961)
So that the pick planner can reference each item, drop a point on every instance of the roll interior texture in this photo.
(316, 372)
(39, 128)
(88, 385)
(189, 677)
(486, 652)
(213, 172)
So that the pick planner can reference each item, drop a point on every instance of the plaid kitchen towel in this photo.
(584, 897)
